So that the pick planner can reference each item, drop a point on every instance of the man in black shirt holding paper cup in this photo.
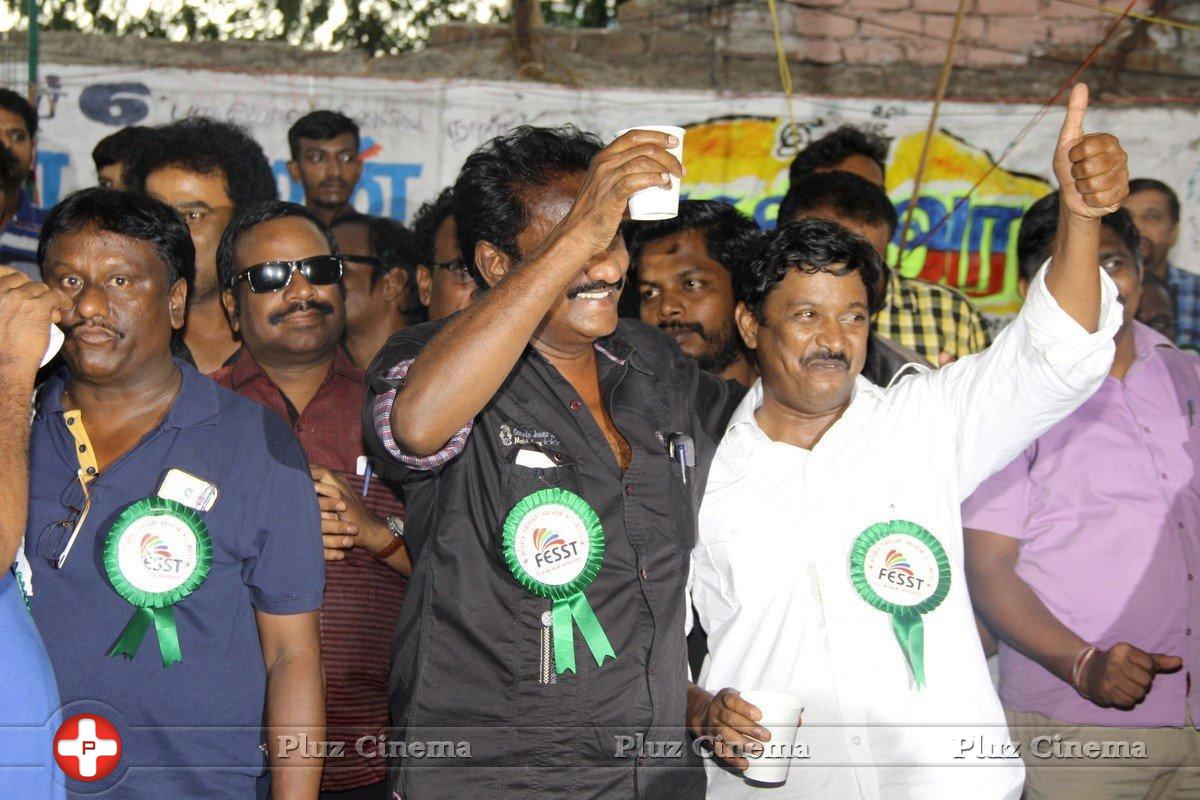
(552, 459)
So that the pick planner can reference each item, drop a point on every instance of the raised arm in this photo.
(461, 368)
(27, 309)
(1093, 179)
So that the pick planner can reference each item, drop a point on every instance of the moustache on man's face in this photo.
(826, 355)
(91, 323)
(277, 317)
(595, 286)
(679, 327)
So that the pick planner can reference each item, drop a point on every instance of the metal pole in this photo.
(32, 8)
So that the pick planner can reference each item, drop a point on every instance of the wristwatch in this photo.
(396, 526)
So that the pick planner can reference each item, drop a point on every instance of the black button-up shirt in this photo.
(471, 652)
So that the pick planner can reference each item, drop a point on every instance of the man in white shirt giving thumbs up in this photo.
(830, 558)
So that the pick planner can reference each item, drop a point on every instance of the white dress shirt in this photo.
(771, 576)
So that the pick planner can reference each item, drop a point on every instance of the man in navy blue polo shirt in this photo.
(151, 487)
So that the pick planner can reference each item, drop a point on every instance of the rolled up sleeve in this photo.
(381, 417)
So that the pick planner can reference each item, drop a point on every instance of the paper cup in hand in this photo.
(781, 716)
(657, 202)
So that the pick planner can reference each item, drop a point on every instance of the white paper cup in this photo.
(657, 202)
(781, 716)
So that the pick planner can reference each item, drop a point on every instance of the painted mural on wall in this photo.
(416, 135)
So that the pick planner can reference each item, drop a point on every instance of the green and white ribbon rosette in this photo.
(554, 547)
(157, 553)
(902, 569)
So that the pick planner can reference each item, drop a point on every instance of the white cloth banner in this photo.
(416, 135)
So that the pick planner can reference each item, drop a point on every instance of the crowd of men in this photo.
(314, 504)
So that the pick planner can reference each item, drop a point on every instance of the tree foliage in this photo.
(375, 26)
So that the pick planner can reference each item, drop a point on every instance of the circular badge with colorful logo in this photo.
(157, 553)
(553, 543)
(902, 569)
(554, 546)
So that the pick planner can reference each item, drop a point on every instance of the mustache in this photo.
(595, 286)
(825, 354)
(89, 323)
(678, 327)
(277, 317)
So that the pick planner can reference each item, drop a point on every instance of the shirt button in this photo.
(299, 429)
(91, 470)
(628, 488)
(1191, 577)
(1180, 524)
(643, 574)
(641, 760)
(856, 740)
(83, 448)
(70, 420)
(576, 405)
(1146, 429)
(1189, 631)
(1164, 476)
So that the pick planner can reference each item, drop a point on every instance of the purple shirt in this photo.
(1107, 509)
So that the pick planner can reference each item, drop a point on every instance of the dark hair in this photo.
(849, 196)
(249, 219)
(207, 146)
(119, 147)
(320, 126)
(835, 147)
(811, 246)
(728, 233)
(8, 165)
(11, 101)
(1146, 184)
(427, 220)
(395, 246)
(125, 214)
(1039, 226)
(500, 174)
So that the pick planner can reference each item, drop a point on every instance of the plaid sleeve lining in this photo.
(383, 427)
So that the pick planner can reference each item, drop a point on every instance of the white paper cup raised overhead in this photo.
(657, 202)
(781, 716)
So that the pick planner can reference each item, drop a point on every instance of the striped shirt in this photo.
(929, 318)
(362, 595)
(19, 239)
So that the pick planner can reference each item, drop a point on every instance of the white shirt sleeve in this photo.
(1040, 369)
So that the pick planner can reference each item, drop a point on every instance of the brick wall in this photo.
(1009, 49)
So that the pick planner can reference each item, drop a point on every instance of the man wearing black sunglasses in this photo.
(379, 257)
(283, 289)
(444, 284)
(139, 465)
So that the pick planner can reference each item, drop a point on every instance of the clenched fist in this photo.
(1092, 169)
(27, 308)
(1122, 675)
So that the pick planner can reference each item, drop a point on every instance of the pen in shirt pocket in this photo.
(1191, 412)
(364, 469)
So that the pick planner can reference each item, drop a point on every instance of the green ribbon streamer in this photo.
(565, 614)
(156, 607)
(164, 628)
(910, 633)
(906, 619)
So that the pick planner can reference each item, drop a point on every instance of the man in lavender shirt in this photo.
(1083, 555)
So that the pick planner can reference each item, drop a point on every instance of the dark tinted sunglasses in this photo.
(273, 276)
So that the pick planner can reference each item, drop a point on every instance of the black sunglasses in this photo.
(274, 276)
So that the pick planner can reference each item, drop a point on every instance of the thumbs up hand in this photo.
(1122, 675)
(1092, 169)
